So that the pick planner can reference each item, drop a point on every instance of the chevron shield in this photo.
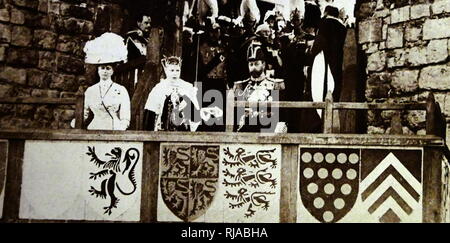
(391, 185)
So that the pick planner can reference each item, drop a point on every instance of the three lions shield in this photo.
(188, 179)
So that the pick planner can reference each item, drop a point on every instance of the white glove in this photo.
(281, 127)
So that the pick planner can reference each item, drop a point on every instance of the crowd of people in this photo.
(253, 49)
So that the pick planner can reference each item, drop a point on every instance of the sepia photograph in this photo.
(222, 112)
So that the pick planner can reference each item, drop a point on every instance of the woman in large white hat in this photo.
(108, 101)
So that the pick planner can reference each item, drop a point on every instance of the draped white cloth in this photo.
(318, 79)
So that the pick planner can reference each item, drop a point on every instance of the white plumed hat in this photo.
(108, 48)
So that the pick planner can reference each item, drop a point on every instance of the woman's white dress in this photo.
(165, 88)
(110, 106)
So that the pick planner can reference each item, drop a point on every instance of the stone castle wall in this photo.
(405, 43)
(407, 46)
(41, 54)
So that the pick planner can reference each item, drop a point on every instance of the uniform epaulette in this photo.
(134, 32)
(275, 80)
(241, 82)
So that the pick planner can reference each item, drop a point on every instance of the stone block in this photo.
(76, 11)
(43, 6)
(436, 28)
(74, 26)
(37, 78)
(17, 16)
(400, 15)
(440, 6)
(4, 15)
(33, 4)
(416, 119)
(22, 92)
(417, 56)
(420, 10)
(5, 33)
(6, 90)
(405, 81)
(371, 48)
(435, 78)
(53, 7)
(376, 62)
(70, 64)
(366, 10)
(45, 39)
(43, 113)
(69, 44)
(370, 31)
(23, 57)
(63, 82)
(413, 33)
(377, 91)
(397, 58)
(25, 110)
(47, 61)
(2, 53)
(395, 37)
(379, 78)
(21, 36)
(437, 51)
(65, 115)
(13, 75)
(375, 130)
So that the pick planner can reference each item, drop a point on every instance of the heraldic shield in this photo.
(189, 177)
(329, 182)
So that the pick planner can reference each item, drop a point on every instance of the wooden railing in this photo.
(435, 121)
(78, 102)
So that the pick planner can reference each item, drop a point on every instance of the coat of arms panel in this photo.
(360, 185)
(83, 180)
(219, 183)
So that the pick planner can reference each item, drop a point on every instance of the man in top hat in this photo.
(328, 53)
(258, 88)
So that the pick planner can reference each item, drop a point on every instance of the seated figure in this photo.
(172, 105)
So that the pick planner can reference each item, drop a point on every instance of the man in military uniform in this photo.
(258, 88)
(137, 39)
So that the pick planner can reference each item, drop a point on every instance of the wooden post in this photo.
(431, 119)
(144, 86)
(396, 124)
(432, 185)
(150, 177)
(289, 178)
(79, 112)
(230, 111)
(328, 114)
(13, 181)
(436, 124)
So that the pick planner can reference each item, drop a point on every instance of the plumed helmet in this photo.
(255, 53)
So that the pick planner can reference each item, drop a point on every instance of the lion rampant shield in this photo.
(329, 182)
(188, 179)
